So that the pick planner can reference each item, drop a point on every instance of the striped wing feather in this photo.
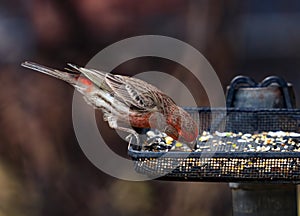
(134, 92)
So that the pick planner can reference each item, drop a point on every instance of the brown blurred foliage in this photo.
(42, 168)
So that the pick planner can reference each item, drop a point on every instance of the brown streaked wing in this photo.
(134, 92)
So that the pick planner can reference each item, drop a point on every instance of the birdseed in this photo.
(270, 141)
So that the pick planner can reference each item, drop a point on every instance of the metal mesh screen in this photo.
(223, 162)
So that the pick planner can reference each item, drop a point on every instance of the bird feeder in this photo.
(253, 143)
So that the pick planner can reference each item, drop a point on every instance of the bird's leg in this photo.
(112, 122)
(135, 135)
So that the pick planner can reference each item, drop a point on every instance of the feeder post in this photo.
(259, 199)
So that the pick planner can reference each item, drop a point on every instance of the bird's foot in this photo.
(131, 137)
(134, 141)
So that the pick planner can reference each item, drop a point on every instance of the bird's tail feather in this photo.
(50, 71)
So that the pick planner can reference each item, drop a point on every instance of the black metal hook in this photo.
(283, 85)
(238, 81)
(249, 82)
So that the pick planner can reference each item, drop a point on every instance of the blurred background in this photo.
(43, 171)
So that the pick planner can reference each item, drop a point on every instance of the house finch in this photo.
(128, 100)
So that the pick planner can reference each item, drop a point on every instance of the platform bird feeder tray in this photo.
(234, 145)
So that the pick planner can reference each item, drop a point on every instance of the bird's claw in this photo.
(131, 137)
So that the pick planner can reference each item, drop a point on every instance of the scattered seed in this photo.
(178, 144)
(169, 140)
(272, 141)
